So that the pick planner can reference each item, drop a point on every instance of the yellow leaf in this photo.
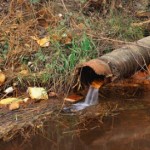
(37, 93)
(44, 42)
(2, 78)
(24, 72)
(7, 101)
(14, 106)
(81, 26)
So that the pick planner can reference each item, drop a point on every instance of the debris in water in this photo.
(73, 98)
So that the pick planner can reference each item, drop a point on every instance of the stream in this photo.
(128, 130)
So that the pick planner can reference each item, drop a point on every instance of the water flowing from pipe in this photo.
(90, 99)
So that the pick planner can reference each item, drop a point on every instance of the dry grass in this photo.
(28, 121)
(16, 122)
(21, 20)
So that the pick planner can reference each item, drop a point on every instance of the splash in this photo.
(91, 98)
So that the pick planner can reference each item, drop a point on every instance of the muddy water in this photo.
(129, 130)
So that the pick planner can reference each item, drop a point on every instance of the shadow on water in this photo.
(128, 130)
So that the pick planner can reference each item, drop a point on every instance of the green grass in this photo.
(53, 66)
(34, 1)
(58, 62)
(120, 27)
(65, 59)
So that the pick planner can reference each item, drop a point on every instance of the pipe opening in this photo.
(88, 75)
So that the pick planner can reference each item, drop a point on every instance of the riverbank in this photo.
(42, 42)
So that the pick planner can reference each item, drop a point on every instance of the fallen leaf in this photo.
(2, 78)
(37, 93)
(26, 100)
(9, 90)
(44, 42)
(56, 37)
(74, 98)
(24, 72)
(7, 101)
(43, 23)
(66, 39)
(14, 26)
(52, 94)
(14, 106)
(81, 26)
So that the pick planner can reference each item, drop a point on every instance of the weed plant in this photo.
(59, 66)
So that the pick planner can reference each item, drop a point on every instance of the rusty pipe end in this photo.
(94, 69)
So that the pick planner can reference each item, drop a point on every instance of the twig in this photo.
(140, 23)
(64, 6)
(72, 131)
(117, 41)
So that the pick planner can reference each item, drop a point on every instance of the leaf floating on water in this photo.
(74, 98)
(44, 42)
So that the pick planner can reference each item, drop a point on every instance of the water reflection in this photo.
(128, 130)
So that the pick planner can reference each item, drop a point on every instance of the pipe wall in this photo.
(119, 64)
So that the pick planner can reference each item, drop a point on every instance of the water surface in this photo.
(129, 130)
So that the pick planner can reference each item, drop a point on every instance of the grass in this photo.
(64, 59)
(70, 40)
(120, 26)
